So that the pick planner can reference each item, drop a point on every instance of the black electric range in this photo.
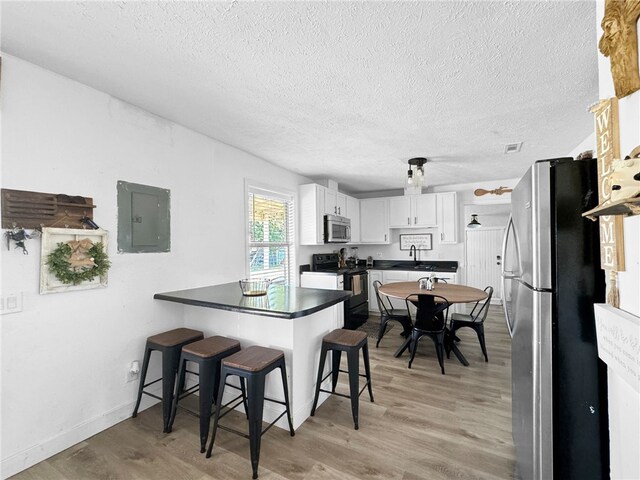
(356, 279)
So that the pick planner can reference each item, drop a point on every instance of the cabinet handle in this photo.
(335, 210)
(408, 220)
(385, 237)
(339, 211)
(442, 236)
(415, 220)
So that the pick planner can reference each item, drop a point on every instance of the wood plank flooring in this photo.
(423, 425)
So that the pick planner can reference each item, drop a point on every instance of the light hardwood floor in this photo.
(423, 425)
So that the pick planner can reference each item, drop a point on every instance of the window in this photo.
(271, 235)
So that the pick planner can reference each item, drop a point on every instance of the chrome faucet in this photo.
(413, 252)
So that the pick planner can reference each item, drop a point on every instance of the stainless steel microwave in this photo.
(337, 229)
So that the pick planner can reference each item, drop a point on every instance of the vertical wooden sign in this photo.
(608, 148)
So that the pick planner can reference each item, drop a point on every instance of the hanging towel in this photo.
(356, 284)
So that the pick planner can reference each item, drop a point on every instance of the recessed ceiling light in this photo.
(512, 147)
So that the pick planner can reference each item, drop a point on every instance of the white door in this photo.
(484, 250)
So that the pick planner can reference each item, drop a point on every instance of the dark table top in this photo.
(280, 301)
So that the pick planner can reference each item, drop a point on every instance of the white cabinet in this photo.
(374, 217)
(335, 203)
(393, 276)
(324, 281)
(317, 201)
(311, 211)
(448, 217)
(424, 210)
(373, 301)
(353, 213)
(413, 211)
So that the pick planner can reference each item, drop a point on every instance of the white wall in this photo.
(624, 402)
(64, 357)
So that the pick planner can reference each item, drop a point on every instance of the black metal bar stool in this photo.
(208, 354)
(253, 364)
(350, 341)
(169, 344)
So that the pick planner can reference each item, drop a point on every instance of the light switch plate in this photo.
(11, 303)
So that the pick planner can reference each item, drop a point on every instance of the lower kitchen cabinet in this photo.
(373, 301)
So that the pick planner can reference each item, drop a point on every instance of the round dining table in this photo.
(454, 293)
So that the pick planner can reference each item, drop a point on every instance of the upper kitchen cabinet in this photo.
(411, 211)
(335, 203)
(448, 217)
(374, 218)
(353, 213)
(317, 201)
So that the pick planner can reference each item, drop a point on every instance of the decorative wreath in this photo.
(75, 262)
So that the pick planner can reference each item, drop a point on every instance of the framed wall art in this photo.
(73, 259)
(422, 241)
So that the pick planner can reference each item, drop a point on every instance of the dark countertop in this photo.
(280, 301)
(422, 266)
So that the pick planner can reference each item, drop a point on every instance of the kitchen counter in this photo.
(290, 319)
(410, 265)
(280, 301)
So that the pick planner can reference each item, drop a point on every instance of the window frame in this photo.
(269, 191)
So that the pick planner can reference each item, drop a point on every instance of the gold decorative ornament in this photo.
(619, 42)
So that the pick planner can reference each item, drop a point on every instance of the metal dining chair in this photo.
(437, 279)
(388, 313)
(474, 320)
(431, 321)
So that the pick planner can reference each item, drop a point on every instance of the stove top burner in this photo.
(328, 262)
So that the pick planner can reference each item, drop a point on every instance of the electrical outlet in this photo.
(379, 254)
(132, 372)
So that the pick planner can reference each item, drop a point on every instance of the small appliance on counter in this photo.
(369, 262)
(328, 274)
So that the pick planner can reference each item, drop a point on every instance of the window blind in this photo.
(271, 235)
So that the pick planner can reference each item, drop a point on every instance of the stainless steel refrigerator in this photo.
(551, 279)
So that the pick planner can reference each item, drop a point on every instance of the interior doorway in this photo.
(484, 259)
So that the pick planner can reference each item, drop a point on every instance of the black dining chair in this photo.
(431, 321)
(388, 313)
(437, 279)
(474, 320)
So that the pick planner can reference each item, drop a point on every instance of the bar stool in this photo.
(169, 344)
(253, 364)
(208, 354)
(350, 341)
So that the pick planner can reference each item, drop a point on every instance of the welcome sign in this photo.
(608, 149)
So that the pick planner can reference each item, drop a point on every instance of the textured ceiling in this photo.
(345, 90)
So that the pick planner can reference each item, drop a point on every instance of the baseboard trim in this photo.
(37, 453)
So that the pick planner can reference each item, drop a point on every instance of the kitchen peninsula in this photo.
(290, 319)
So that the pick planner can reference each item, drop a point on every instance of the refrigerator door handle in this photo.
(506, 276)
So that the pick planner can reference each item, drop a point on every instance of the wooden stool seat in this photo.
(344, 337)
(175, 337)
(253, 359)
(211, 346)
